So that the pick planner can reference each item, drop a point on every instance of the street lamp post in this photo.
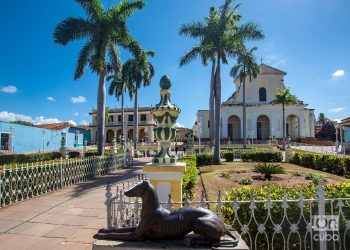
(199, 133)
(12, 129)
(44, 133)
(336, 137)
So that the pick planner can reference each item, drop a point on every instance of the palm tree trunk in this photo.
(122, 118)
(217, 159)
(284, 127)
(136, 120)
(244, 116)
(211, 106)
(101, 105)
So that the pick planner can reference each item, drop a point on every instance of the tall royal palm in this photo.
(207, 53)
(225, 36)
(119, 85)
(246, 66)
(138, 71)
(285, 98)
(103, 31)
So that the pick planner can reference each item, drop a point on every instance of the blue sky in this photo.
(307, 39)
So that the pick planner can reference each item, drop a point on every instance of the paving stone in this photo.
(63, 231)
(97, 224)
(72, 246)
(84, 235)
(35, 229)
(8, 224)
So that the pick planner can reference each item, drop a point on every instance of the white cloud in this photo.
(11, 117)
(76, 114)
(72, 122)
(43, 120)
(9, 89)
(84, 122)
(336, 110)
(51, 99)
(78, 99)
(275, 60)
(339, 73)
(337, 120)
(179, 125)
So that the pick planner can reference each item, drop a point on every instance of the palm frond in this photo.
(94, 8)
(83, 60)
(193, 29)
(73, 29)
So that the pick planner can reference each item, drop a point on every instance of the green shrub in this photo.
(73, 154)
(205, 159)
(315, 178)
(329, 163)
(277, 211)
(268, 170)
(225, 175)
(229, 156)
(246, 180)
(273, 156)
(297, 174)
(190, 177)
(28, 158)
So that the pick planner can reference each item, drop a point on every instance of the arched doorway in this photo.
(234, 127)
(293, 127)
(109, 135)
(130, 134)
(141, 134)
(263, 127)
(119, 132)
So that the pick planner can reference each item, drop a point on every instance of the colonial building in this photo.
(113, 124)
(264, 120)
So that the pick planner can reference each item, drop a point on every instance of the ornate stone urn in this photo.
(165, 173)
(165, 114)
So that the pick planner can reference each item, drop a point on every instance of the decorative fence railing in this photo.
(264, 224)
(319, 148)
(22, 182)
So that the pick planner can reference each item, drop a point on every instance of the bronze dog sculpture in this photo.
(158, 223)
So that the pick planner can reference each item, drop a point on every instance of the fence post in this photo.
(3, 170)
(61, 173)
(109, 205)
(321, 203)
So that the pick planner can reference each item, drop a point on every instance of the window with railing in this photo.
(130, 118)
(143, 117)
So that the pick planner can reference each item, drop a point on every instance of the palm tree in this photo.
(119, 85)
(225, 37)
(246, 66)
(137, 71)
(285, 98)
(103, 31)
(206, 53)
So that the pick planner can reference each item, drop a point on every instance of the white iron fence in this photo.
(22, 182)
(264, 224)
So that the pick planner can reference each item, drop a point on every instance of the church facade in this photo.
(264, 120)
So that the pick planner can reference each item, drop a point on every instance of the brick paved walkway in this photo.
(64, 219)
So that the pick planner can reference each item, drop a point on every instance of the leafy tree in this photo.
(322, 119)
(137, 71)
(24, 123)
(327, 131)
(284, 97)
(246, 66)
(103, 30)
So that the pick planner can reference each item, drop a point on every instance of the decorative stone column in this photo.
(165, 173)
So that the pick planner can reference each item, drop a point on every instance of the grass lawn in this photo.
(227, 175)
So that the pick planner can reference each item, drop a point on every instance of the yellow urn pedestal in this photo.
(166, 179)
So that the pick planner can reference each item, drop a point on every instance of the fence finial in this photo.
(170, 203)
(108, 193)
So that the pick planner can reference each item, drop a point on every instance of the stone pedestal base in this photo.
(166, 180)
(164, 244)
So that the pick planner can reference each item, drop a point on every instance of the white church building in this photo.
(264, 120)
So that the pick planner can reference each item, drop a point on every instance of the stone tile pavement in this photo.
(63, 219)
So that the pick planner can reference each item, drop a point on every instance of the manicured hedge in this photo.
(73, 154)
(28, 158)
(277, 212)
(327, 163)
(273, 156)
(229, 156)
(205, 159)
(190, 177)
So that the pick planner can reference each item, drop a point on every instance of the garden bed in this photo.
(227, 176)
